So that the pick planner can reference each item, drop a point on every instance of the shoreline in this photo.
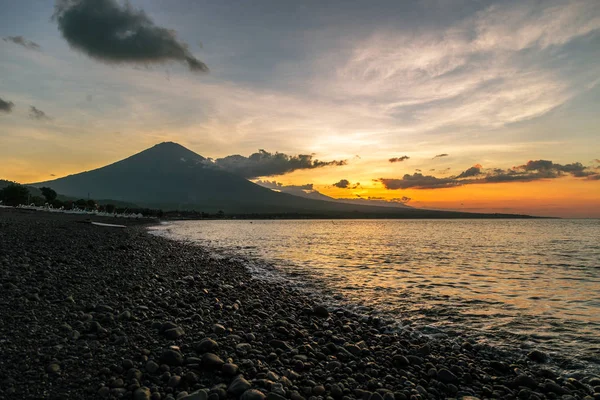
(92, 312)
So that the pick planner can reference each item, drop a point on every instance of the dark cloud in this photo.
(441, 155)
(473, 171)
(345, 184)
(21, 41)
(418, 181)
(6, 106)
(342, 184)
(532, 171)
(35, 113)
(398, 159)
(115, 33)
(264, 163)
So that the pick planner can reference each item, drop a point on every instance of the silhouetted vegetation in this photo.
(49, 194)
(14, 194)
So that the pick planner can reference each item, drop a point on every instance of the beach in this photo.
(92, 311)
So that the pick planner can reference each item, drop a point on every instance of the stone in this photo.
(212, 361)
(238, 386)
(446, 376)
(526, 381)
(174, 333)
(219, 329)
(199, 395)
(206, 345)
(174, 381)
(253, 394)
(538, 356)
(142, 393)
(321, 311)
(152, 367)
(53, 369)
(229, 369)
(274, 396)
(171, 357)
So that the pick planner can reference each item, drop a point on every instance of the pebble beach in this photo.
(91, 311)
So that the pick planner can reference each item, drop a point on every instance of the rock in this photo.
(151, 367)
(253, 394)
(174, 381)
(219, 329)
(538, 356)
(238, 386)
(212, 361)
(174, 333)
(376, 396)
(401, 361)
(274, 396)
(53, 369)
(336, 391)
(553, 387)
(446, 376)
(171, 357)
(525, 380)
(318, 390)
(124, 316)
(104, 391)
(321, 311)
(206, 345)
(142, 393)
(229, 369)
(199, 395)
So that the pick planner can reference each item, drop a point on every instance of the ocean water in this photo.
(515, 284)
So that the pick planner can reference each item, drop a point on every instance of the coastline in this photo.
(90, 311)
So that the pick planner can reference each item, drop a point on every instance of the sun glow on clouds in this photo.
(455, 88)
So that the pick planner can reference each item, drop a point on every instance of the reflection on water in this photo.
(518, 282)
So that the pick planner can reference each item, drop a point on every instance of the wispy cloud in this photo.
(441, 155)
(493, 68)
(21, 41)
(531, 171)
(37, 114)
(115, 33)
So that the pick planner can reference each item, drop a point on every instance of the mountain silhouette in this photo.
(171, 177)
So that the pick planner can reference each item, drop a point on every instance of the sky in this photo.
(484, 106)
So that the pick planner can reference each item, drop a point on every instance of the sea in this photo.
(514, 284)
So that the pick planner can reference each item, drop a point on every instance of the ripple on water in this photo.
(510, 283)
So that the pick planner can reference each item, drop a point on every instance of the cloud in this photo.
(264, 163)
(597, 160)
(418, 181)
(6, 106)
(115, 33)
(398, 159)
(35, 113)
(279, 186)
(21, 41)
(441, 155)
(502, 64)
(531, 171)
(345, 184)
(473, 171)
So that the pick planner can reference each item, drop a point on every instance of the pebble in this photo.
(253, 394)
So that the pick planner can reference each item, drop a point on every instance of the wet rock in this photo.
(219, 329)
(229, 369)
(538, 356)
(152, 367)
(525, 380)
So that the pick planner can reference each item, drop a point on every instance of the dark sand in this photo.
(94, 312)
